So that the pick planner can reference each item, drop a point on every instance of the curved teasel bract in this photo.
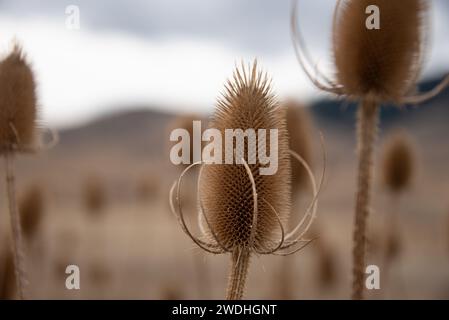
(208, 239)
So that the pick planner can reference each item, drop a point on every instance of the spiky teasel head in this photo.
(299, 126)
(398, 162)
(18, 109)
(238, 206)
(226, 189)
(379, 62)
(383, 62)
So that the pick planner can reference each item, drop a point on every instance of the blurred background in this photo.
(117, 82)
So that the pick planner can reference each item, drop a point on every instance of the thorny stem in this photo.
(238, 273)
(19, 267)
(367, 131)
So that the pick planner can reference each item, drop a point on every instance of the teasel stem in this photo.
(19, 267)
(367, 131)
(238, 273)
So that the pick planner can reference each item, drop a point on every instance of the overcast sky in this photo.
(172, 54)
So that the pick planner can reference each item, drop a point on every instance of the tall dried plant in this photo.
(242, 212)
(373, 66)
(18, 111)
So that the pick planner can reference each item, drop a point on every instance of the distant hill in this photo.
(140, 132)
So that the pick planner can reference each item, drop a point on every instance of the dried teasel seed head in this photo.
(383, 63)
(18, 108)
(398, 162)
(225, 189)
(31, 208)
(299, 126)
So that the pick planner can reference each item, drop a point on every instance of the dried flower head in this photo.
(384, 62)
(242, 211)
(227, 189)
(298, 127)
(18, 108)
(31, 209)
(398, 162)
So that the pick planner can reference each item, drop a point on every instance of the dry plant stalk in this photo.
(17, 122)
(372, 66)
(367, 130)
(242, 212)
